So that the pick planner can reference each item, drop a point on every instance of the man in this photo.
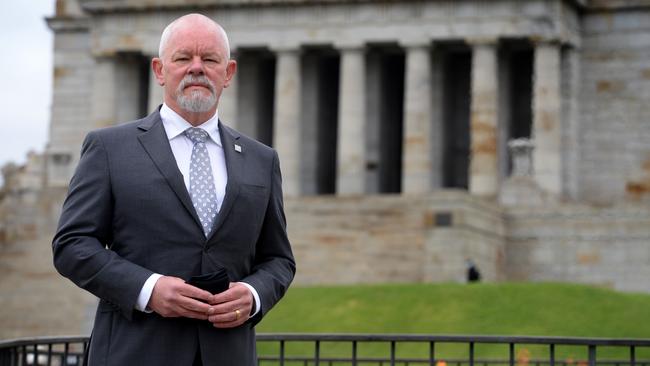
(174, 195)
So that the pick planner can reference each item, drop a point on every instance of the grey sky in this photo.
(26, 67)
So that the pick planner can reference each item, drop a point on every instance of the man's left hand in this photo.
(232, 307)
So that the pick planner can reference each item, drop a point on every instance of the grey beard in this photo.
(196, 102)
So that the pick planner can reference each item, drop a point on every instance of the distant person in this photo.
(164, 199)
(473, 274)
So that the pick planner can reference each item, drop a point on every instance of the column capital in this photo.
(540, 40)
(416, 43)
(482, 41)
(285, 48)
(350, 45)
(104, 55)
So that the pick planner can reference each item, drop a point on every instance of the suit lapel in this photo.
(234, 166)
(155, 142)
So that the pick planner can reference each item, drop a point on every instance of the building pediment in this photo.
(98, 6)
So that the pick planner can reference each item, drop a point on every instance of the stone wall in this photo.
(35, 300)
(393, 238)
(579, 243)
(614, 108)
(428, 238)
(20, 200)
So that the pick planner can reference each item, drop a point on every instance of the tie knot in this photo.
(196, 134)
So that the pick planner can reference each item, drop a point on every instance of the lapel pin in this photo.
(237, 148)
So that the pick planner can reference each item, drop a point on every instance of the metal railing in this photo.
(316, 350)
(51, 351)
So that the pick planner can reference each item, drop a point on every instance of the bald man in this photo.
(177, 194)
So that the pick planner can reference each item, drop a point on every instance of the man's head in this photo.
(193, 66)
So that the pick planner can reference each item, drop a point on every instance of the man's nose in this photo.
(196, 66)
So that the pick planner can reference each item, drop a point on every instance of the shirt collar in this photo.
(175, 125)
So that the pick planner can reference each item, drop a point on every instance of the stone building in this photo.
(414, 135)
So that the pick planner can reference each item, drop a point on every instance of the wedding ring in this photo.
(237, 314)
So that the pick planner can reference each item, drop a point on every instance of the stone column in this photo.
(286, 130)
(417, 145)
(351, 160)
(483, 171)
(156, 92)
(547, 117)
(103, 106)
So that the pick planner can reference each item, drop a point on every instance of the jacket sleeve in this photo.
(274, 266)
(81, 245)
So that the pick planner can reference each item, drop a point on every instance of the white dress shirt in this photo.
(182, 147)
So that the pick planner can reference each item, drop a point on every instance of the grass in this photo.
(546, 309)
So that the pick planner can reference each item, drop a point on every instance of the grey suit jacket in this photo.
(128, 214)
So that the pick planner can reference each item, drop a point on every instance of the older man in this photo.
(177, 194)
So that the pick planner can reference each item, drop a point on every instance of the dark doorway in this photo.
(132, 68)
(320, 88)
(457, 68)
(385, 93)
(255, 93)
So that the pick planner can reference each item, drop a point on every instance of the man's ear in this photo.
(157, 67)
(231, 69)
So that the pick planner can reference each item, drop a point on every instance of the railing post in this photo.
(86, 351)
(632, 356)
(317, 354)
(66, 349)
(551, 361)
(432, 359)
(392, 353)
(35, 353)
(512, 354)
(471, 353)
(354, 353)
(282, 353)
(49, 354)
(592, 355)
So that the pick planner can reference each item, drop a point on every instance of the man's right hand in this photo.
(172, 297)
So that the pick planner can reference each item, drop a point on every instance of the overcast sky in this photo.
(26, 81)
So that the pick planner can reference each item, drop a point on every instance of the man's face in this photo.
(194, 69)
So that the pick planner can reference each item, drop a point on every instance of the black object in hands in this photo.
(213, 283)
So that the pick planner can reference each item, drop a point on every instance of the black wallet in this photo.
(213, 283)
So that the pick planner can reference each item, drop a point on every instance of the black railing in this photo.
(59, 351)
(375, 349)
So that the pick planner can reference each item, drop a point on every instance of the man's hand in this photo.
(232, 307)
(172, 297)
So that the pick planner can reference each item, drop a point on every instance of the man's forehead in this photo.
(192, 41)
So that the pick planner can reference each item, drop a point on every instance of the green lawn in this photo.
(546, 309)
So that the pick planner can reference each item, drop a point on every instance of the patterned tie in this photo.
(204, 195)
